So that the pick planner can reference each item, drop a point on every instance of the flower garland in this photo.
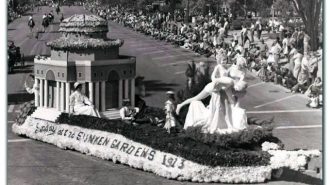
(82, 20)
(161, 163)
(249, 138)
(116, 147)
(84, 24)
(84, 43)
(177, 144)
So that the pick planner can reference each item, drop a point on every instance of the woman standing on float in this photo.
(237, 73)
(217, 118)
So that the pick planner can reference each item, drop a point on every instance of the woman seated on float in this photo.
(80, 104)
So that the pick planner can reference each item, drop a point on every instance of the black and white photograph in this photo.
(164, 92)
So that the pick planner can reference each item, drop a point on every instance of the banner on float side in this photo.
(118, 148)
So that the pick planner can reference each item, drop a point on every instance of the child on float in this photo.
(170, 106)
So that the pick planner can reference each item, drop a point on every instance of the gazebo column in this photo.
(58, 95)
(126, 88)
(97, 95)
(37, 95)
(133, 92)
(62, 97)
(91, 91)
(103, 96)
(46, 94)
(120, 93)
(67, 96)
(83, 85)
(41, 92)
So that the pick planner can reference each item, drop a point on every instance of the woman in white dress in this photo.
(237, 73)
(285, 46)
(297, 59)
(217, 118)
(80, 104)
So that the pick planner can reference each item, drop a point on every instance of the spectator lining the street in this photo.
(206, 37)
(314, 92)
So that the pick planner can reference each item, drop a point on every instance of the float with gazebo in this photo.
(84, 55)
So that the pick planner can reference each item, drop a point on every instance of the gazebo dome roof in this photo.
(84, 23)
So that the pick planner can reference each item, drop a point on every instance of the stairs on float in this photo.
(111, 114)
(49, 114)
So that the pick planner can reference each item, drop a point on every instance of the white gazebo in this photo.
(84, 53)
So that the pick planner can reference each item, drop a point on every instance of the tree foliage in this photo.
(257, 6)
(310, 12)
(284, 8)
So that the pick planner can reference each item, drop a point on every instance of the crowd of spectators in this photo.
(287, 61)
(17, 12)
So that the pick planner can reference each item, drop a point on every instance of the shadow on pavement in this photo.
(157, 85)
(18, 98)
(295, 176)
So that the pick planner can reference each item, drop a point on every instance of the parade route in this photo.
(163, 66)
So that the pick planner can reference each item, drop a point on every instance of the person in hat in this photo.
(170, 107)
(31, 23)
(80, 104)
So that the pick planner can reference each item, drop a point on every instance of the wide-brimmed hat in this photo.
(76, 85)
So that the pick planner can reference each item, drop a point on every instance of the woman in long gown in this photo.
(238, 115)
(80, 104)
(217, 118)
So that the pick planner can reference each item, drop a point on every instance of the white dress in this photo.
(169, 109)
(212, 119)
(285, 44)
(238, 114)
(297, 58)
(82, 105)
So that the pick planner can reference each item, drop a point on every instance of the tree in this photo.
(309, 11)
(284, 8)
(141, 4)
(256, 6)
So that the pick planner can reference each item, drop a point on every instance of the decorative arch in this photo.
(112, 87)
(113, 75)
(50, 75)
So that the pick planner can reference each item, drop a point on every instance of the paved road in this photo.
(32, 162)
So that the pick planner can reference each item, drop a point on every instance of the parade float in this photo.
(84, 54)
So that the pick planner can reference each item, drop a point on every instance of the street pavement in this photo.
(163, 66)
